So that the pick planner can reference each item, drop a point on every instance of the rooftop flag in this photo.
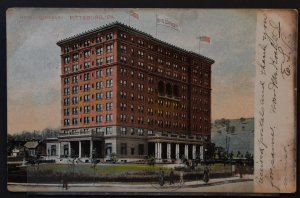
(134, 14)
(167, 21)
(205, 39)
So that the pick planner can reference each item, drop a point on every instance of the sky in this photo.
(33, 58)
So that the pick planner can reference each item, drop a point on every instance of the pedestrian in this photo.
(161, 178)
(65, 180)
(206, 175)
(171, 177)
(181, 177)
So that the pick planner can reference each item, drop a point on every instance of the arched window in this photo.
(161, 88)
(176, 90)
(169, 89)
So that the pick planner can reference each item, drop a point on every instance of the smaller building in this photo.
(34, 147)
(18, 151)
(52, 148)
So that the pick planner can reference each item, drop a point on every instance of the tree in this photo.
(151, 160)
(94, 162)
(114, 157)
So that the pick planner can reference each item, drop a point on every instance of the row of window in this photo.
(160, 50)
(87, 98)
(87, 109)
(87, 65)
(88, 120)
(87, 87)
(87, 76)
(88, 42)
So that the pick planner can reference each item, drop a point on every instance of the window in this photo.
(74, 121)
(109, 59)
(86, 120)
(87, 87)
(123, 59)
(123, 83)
(67, 70)
(75, 100)
(109, 117)
(75, 90)
(169, 89)
(109, 48)
(66, 122)
(123, 149)
(123, 117)
(66, 91)
(109, 94)
(99, 61)
(75, 111)
(140, 131)
(75, 46)
(86, 98)
(109, 83)
(86, 109)
(66, 80)
(161, 88)
(87, 43)
(75, 68)
(109, 36)
(109, 106)
(87, 53)
(132, 151)
(123, 130)
(99, 118)
(108, 130)
(99, 73)
(99, 107)
(66, 49)
(123, 48)
(99, 50)
(109, 71)
(99, 85)
(75, 79)
(141, 149)
(99, 39)
(99, 96)
(75, 57)
(66, 112)
(67, 60)
(123, 94)
(122, 35)
(87, 65)
(87, 76)
(66, 101)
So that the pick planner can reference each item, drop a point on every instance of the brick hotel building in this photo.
(126, 92)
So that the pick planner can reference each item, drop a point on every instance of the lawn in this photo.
(107, 169)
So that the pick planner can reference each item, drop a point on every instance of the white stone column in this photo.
(159, 150)
(91, 148)
(186, 151)
(156, 150)
(79, 152)
(177, 151)
(168, 151)
(194, 151)
(69, 143)
(201, 153)
(59, 145)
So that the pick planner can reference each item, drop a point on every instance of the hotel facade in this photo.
(126, 93)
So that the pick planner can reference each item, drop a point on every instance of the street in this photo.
(233, 184)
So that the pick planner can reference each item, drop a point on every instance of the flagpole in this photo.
(199, 44)
(156, 25)
(129, 18)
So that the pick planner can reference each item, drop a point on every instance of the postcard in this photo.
(151, 100)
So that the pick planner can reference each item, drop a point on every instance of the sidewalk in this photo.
(190, 184)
